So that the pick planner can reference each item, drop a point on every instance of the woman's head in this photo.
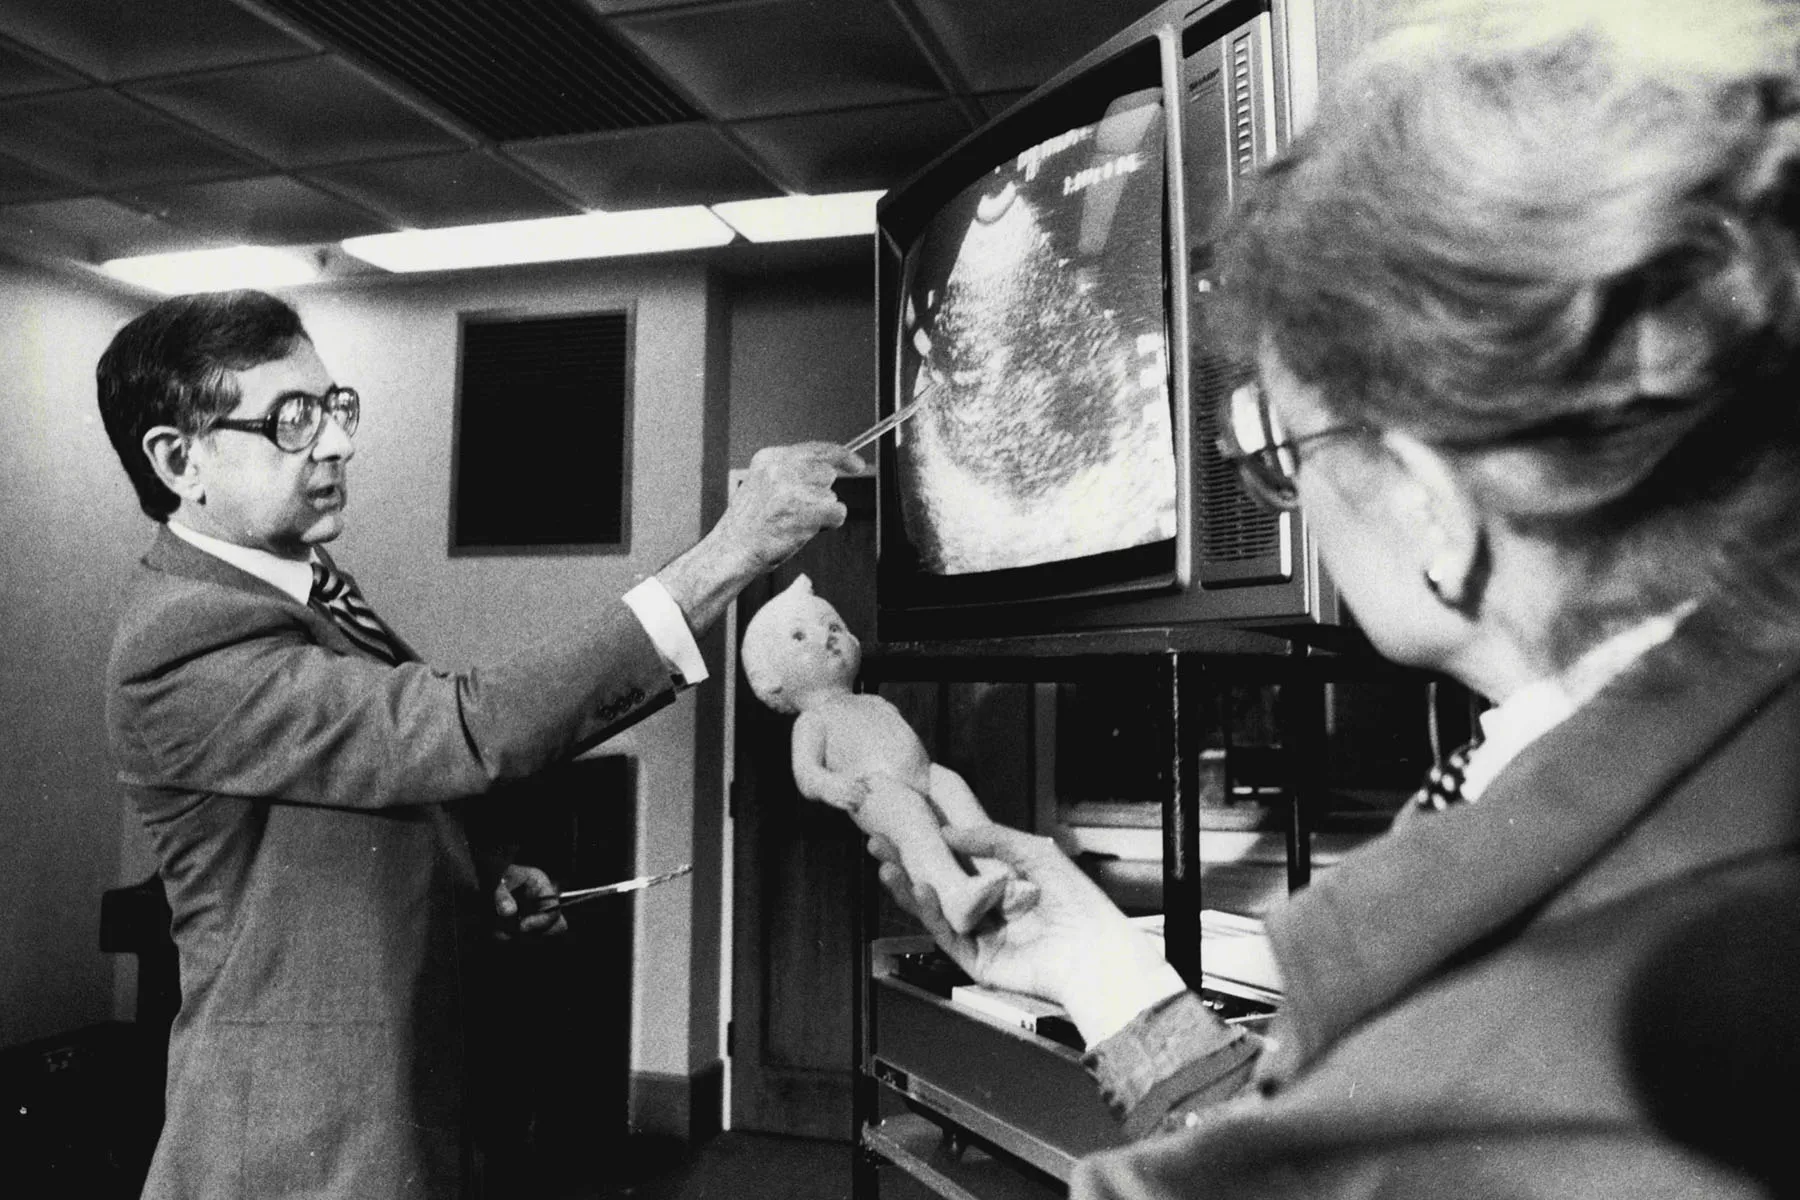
(1555, 241)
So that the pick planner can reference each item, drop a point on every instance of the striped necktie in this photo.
(337, 598)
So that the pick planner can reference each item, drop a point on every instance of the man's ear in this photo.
(1448, 526)
(171, 456)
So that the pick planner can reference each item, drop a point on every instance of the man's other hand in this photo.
(519, 898)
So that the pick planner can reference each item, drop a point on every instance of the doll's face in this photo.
(797, 649)
(813, 650)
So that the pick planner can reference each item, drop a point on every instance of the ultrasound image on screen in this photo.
(1034, 327)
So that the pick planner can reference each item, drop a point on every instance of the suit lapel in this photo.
(171, 554)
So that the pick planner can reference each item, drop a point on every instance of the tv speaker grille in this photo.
(1236, 532)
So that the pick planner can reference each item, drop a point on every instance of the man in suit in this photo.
(303, 776)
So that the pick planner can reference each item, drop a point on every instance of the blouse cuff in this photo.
(1170, 1054)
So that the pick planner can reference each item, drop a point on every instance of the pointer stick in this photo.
(904, 413)
(564, 899)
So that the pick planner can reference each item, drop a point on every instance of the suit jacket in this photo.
(301, 799)
(1460, 995)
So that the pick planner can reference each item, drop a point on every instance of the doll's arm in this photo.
(815, 780)
(955, 802)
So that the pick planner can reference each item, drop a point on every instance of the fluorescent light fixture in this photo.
(791, 218)
(552, 239)
(216, 270)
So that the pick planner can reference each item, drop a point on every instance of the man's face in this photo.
(257, 494)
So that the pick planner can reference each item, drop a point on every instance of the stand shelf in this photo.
(1025, 1101)
(932, 1159)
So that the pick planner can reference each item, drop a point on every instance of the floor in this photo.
(739, 1166)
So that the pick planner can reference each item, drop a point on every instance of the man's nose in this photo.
(334, 440)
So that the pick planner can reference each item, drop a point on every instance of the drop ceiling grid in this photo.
(133, 127)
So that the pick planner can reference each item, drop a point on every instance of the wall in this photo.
(71, 530)
(802, 357)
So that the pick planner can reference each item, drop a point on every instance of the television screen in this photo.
(1033, 326)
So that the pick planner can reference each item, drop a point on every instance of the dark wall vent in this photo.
(511, 71)
(542, 458)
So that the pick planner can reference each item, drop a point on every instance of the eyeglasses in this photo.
(298, 418)
(1267, 460)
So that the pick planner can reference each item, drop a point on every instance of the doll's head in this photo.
(796, 650)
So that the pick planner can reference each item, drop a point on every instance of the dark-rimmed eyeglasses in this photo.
(1267, 460)
(298, 418)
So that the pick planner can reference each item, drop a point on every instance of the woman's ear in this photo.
(171, 456)
(1452, 537)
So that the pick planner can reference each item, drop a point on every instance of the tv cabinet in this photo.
(948, 1102)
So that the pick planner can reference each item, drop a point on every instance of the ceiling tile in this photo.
(1013, 44)
(112, 40)
(472, 188)
(676, 164)
(855, 151)
(93, 229)
(995, 103)
(610, 7)
(104, 141)
(775, 57)
(19, 182)
(22, 73)
(269, 210)
(301, 113)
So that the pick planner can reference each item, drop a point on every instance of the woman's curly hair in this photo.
(1557, 238)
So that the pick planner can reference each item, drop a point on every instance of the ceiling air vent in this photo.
(510, 71)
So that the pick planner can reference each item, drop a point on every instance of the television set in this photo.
(1044, 292)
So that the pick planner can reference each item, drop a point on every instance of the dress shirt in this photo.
(663, 620)
(650, 601)
(284, 574)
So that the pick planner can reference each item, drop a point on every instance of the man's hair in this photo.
(173, 366)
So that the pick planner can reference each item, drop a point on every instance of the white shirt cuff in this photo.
(668, 629)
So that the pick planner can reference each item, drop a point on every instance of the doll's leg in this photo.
(953, 799)
(907, 819)
(957, 805)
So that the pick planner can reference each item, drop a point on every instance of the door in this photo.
(796, 867)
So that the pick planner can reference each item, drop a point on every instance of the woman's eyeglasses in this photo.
(1267, 460)
(297, 419)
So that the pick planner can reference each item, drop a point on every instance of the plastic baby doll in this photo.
(799, 658)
